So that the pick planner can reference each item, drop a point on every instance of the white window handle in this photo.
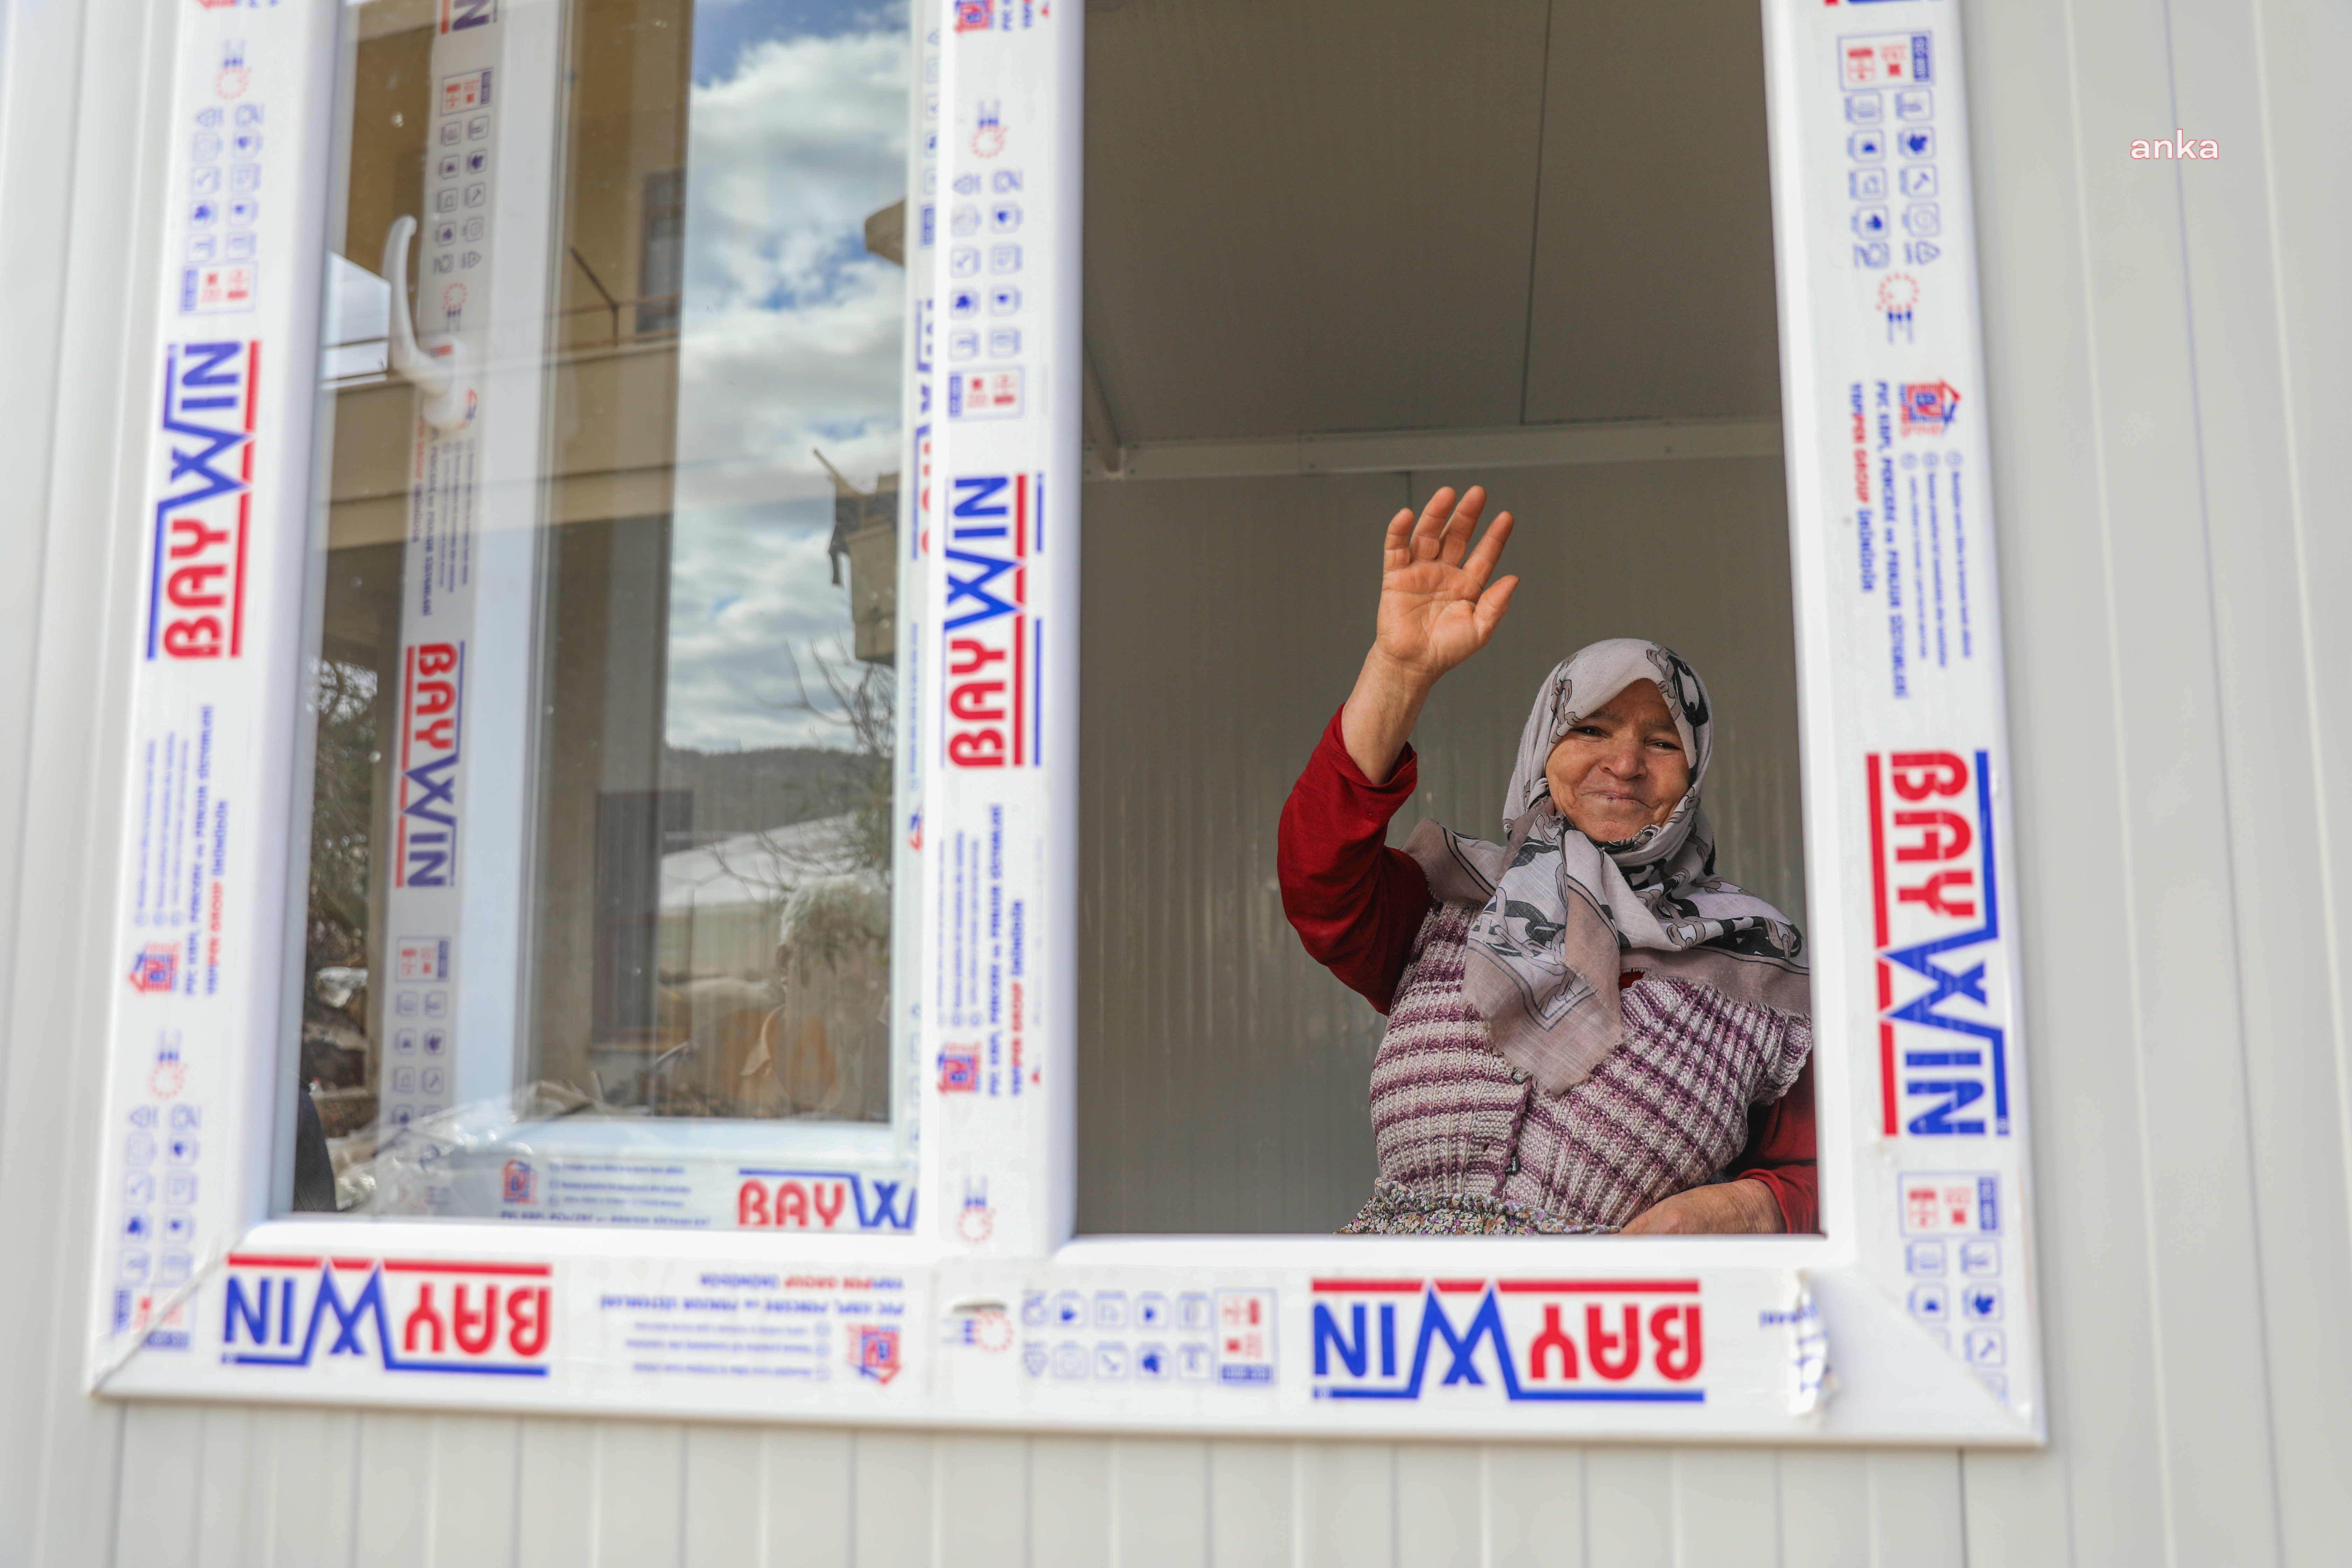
(438, 375)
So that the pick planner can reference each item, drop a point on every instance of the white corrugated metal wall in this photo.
(2166, 344)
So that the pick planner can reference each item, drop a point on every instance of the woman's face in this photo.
(1621, 768)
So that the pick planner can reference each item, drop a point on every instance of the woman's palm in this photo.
(1437, 608)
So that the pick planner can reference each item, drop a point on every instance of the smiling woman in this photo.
(1584, 1020)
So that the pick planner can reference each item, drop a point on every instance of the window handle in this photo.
(439, 373)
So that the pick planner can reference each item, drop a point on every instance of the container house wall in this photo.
(2166, 344)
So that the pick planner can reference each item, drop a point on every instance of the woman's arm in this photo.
(1356, 903)
(1436, 609)
(1777, 1185)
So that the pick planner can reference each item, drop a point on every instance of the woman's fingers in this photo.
(1396, 550)
(1492, 605)
(1481, 564)
(1456, 542)
(1429, 532)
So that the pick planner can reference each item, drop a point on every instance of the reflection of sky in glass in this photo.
(790, 340)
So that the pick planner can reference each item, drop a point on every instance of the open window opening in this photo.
(1331, 268)
(604, 681)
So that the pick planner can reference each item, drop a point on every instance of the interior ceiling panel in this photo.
(1308, 215)
(1653, 234)
(1313, 216)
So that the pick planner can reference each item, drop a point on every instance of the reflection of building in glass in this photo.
(865, 534)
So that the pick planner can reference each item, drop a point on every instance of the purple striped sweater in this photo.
(1666, 1111)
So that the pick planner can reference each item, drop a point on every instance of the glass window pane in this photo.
(605, 684)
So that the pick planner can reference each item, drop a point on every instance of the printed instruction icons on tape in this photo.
(1986, 1347)
(1865, 109)
(967, 184)
(963, 345)
(1006, 180)
(1867, 185)
(1003, 300)
(963, 303)
(1870, 223)
(964, 221)
(1915, 103)
(1886, 60)
(1931, 1304)
(1981, 1301)
(963, 261)
(1867, 146)
(1004, 259)
(1919, 183)
(1923, 1258)
(1917, 142)
(1005, 216)
(1980, 1258)
(1110, 1309)
(1924, 219)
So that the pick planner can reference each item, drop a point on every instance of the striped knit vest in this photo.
(1666, 1111)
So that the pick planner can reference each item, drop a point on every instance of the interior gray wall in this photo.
(1223, 1074)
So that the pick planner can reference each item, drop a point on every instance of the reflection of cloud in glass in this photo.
(790, 340)
(725, 29)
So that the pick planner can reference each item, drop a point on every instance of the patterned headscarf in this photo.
(1561, 916)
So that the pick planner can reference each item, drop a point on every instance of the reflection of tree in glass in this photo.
(335, 934)
(816, 1043)
(864, 708)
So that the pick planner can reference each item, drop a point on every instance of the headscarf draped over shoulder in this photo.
(1560, 917)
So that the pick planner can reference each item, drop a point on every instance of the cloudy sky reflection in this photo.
(790, 337)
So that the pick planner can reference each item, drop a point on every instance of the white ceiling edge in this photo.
(1403, 451)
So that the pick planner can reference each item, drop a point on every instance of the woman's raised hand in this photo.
(1437, 609)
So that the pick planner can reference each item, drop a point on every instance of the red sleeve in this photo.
(1356, 903)
(1779, 1155)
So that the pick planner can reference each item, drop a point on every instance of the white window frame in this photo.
(991, 1313)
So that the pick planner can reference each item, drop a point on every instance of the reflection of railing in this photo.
(642, 334)
(666, 321)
